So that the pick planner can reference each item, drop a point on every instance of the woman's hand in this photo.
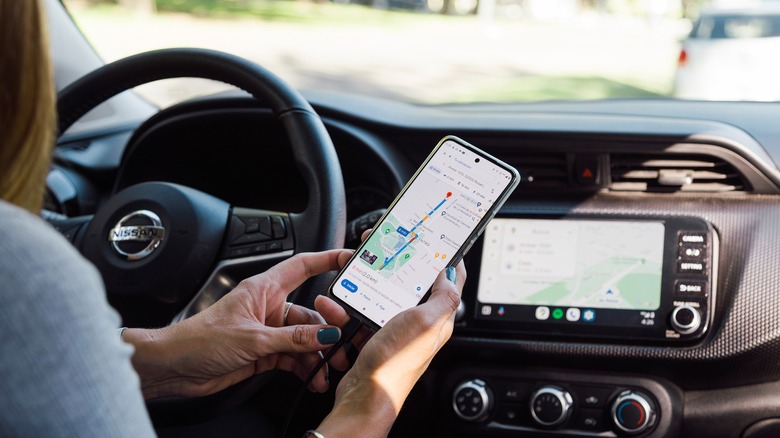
(371, 394)
(242, 334)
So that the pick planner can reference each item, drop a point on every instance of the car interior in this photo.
(668, 209)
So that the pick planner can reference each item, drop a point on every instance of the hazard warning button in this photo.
(587, 170)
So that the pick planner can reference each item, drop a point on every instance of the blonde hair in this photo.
(27, 104)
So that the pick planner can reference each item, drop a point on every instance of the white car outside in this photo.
(731, 55)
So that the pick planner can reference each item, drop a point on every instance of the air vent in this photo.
(674, 173)
(541, 171)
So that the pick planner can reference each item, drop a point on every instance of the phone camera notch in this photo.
(476, 160)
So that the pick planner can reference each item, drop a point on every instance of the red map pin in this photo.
(449, 194)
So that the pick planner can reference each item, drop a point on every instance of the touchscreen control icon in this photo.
(487, 310)
(572, 314)
(588, 315)
(348, 285)
(542, 313)
(557, 313)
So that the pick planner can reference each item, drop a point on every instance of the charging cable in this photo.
(347, 333)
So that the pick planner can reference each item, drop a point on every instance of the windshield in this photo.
(454, 51)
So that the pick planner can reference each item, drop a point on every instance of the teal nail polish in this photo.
(451, 274)
(328, 335)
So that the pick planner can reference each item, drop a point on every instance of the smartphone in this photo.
(432, 223)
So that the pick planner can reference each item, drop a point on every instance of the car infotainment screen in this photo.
(576, 266)
(645, 279)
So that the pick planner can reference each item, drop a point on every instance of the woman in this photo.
(65, 371)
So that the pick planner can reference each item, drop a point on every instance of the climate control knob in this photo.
(686, 319)
(633, 412)
(472, 400)
(551, 406)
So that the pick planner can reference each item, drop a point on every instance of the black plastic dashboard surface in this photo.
(744, 344)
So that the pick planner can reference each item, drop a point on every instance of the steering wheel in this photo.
(180, 246)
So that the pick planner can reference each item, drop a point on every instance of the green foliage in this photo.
(187, 5)
(309, 11)
(204, 6)
(539, 88)
(257, 8)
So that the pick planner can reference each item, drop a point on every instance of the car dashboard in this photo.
(706, 172)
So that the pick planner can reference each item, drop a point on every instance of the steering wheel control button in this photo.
(278, 228)
(472, 400)
(237, 228)
(240, 252)
(273, 246)
(633, 413)
(260, 224)
(264, 224)
(255, 232)
(685, 319)
(551, 406)
(137, 234)
(254, 229)
(252, 226)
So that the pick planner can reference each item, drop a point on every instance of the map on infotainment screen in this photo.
(579, 263)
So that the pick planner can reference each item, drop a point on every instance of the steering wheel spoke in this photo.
(255, 241)
(226, 276)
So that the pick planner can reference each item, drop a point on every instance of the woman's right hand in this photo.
(369, 396)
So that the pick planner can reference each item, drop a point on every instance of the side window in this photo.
(747, 27)
(704, 28)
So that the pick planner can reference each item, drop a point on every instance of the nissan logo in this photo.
(137, 235)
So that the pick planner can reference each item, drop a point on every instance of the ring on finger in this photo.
(287, 306)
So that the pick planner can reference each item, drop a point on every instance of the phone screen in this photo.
(450, 198)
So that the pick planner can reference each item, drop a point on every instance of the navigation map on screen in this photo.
(578, 263)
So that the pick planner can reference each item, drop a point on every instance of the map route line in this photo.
(413, 234)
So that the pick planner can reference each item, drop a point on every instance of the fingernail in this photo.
(328, 335)
(451, 274)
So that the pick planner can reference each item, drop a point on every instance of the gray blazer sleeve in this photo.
(63, 369)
